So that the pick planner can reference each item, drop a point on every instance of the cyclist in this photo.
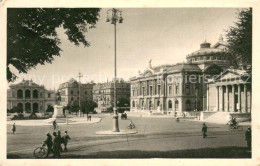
(131, 125)
(49, 144)
(54, 123)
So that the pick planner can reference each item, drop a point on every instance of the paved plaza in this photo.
(156, 138)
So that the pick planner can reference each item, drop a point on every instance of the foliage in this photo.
(88, 106)
(50, 108)
(239, 38)
(110, 109)
(16, 109)
(32, 36)
(74, 107)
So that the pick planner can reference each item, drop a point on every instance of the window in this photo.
(143, 91)
(208, 58)
(86, 92)
(49, 95)
(170, 90)
(71, 92)
(177, 89)
(19, 93)
(187, 89)
(35, 93)
(176, 105)
(170, 104)
(133, 104)
(159, 89)
(188, 108)
(151, 90)
(71, 98)
(27, 94)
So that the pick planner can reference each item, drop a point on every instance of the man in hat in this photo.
(248, 138)
(14, 128)
(48, 142)
(56, 146)
(60, 140)
(204, 130)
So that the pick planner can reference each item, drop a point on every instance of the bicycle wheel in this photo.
(39, 152)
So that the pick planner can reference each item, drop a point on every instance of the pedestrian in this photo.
(48, 142)
(66, 139)
(14, 128)
(204, 130)
(56, 146)
(248, 138)
(54, 123)
(60, 140)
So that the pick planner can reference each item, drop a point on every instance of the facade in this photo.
(30, 97)
(69, 92)
(174, 89)
(103, 93)
(230, 92)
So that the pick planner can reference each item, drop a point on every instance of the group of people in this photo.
(54, 146)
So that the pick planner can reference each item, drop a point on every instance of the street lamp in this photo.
(116, 16)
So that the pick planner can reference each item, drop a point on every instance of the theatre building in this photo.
(177, 88)
(30, 97)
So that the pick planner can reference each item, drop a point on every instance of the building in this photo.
(229, 94)
(177, 88)
(30, 97)
(69, 92)
(103, 93)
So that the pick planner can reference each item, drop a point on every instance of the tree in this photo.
(50, 108)
(239, 38)
(88, 106)
(32, 37)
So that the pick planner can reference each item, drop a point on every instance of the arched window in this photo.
(20, 106)
(19, 93)
(27, 93)
(170, 104)
(28, 107)
(133, 104)
(158, 103)
(176, 105)
(188, 106)
(35, 93)
(35, 107)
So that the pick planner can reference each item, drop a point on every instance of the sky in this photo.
(164, 35)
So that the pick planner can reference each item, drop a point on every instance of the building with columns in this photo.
(177, 88)
(30, 96)
(230, 92)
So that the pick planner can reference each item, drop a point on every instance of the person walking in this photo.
(56, 146)
(66, 139)
(14, 128)
(48, 142)
(60, 140)
(204, 130)
(54, 124)
(248, 137)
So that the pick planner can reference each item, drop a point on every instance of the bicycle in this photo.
(40, 152)
(56, 128)
(131, 125)
(235, 127)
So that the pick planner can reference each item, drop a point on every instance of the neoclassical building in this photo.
(103, 93)
(177, 88)
(230, 92)
(70, 92)
(30, 96)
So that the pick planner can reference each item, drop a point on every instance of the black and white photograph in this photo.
(128, 82)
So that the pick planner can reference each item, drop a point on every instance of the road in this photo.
(156, 138)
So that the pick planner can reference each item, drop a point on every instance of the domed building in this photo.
(177, 88)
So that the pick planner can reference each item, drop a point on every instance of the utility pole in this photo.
(114, 18)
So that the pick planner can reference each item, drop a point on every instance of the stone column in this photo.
(221, 98)
(217, 98)
(245, 93)
(233, 98)
(226, 99)
(239, 97)
(207, 98)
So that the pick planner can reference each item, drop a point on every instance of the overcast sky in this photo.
(165, 35)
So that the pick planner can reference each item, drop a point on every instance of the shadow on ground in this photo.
(220, 152)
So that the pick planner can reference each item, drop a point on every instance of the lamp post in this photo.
(80, 75)
(116, 16)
